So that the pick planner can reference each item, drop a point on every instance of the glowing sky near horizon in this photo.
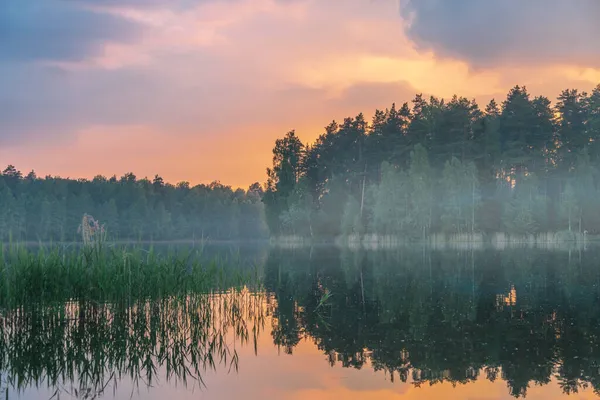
(199, 90)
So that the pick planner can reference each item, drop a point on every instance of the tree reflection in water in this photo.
(423, 317)
(524, 316)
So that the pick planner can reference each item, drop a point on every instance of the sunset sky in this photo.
(199, 90)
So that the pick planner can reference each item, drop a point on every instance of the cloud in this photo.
(54, 30)
(209, 142)
(211, 81)
(167, 78)
(74, 30)
(491, 33)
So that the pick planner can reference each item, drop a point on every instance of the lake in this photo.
(328, 323)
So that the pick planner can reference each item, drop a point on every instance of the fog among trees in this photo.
(521, 166)
(51, 208)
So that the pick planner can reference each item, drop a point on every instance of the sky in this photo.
(199, 90)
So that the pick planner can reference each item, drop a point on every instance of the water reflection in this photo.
(81, 348)
(522, 316)
(528, 320)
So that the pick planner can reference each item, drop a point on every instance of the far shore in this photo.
(548, 240)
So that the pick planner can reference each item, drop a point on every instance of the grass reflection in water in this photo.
(98, 318)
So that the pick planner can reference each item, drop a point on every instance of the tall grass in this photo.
(80, 317)
(104, 273)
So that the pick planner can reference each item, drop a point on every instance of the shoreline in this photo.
(499, 240)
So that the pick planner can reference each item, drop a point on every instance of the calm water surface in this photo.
(329, 324)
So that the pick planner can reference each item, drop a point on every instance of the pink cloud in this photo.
(218, 82)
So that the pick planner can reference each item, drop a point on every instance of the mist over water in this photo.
(409, 206)
(324, 322)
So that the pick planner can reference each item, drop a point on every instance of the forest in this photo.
(51, 208)
(525, 166)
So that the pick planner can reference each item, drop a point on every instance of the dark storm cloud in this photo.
(488, 32)
(57, 30)
(71, 30)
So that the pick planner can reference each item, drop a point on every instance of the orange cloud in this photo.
(212, 86)
(424, 73)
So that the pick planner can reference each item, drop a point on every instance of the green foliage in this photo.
(297, 219)
(433, 165)
(104, 273)
(461, 198)
(571, 110)
(526, 212)
(391, 214)
(526, 129)
(447, 166)
(331, 208)
(421, 190)
(288, 156)
(78, 321)
(50, 209)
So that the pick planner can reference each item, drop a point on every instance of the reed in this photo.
(104, 273)
(79, 317)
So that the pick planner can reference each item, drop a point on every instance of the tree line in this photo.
(51, 208)
(524, 166)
